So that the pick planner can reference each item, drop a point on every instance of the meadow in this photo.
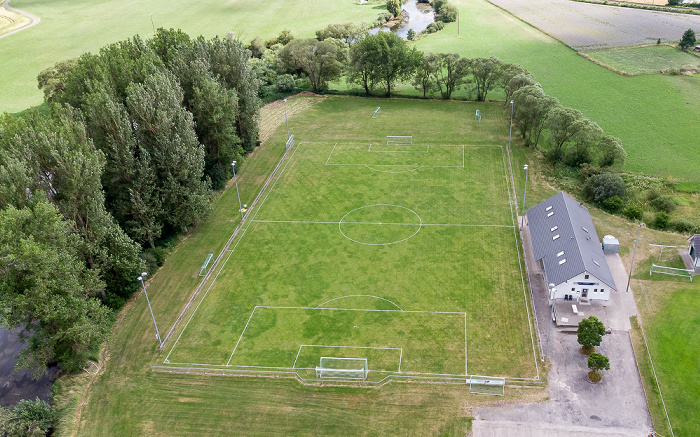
(646, 59)
(653, 115)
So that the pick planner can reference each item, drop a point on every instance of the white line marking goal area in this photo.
(392, 341)
(395, 155)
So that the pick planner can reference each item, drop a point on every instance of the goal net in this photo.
(334, 369)
(393, 139)
(487, 385)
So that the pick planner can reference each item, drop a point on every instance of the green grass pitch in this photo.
(405, 255)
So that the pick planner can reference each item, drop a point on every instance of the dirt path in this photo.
(34, 18)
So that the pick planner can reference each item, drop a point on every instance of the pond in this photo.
(419, 18)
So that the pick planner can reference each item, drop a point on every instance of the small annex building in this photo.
(567, 248)
(694, 250)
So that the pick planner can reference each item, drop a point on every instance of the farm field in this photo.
(128, 398)
(645, 60)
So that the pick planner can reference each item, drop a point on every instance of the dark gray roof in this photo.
(695, 241)
(577, 238)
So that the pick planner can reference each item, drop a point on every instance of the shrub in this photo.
(661, 220)
(652, 194)
(613, 204)
(438, 4)
(394, 7)
(664, 204)
(682, 226)
(588, 170)
(27, 418)
(604, 186)
(448, 13)
(285, 83)
(434, 27)
(411, 35)
(634, 212)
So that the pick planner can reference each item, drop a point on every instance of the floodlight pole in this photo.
(552, 290)
(285, 118)
(154, 26)
(522, 222)
(629, 278)
(140, 278)
(510, 134)
(240, 208)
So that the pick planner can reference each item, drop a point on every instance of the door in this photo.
(584, 292)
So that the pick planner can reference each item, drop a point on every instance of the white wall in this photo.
(574, 287)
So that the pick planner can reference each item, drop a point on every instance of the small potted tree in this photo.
(590, 333)
(597, 362)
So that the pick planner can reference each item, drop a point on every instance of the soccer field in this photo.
(403, 255)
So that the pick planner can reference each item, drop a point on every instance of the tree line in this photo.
(136, 139)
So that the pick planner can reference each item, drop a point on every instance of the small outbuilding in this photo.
(694, 250)
(610, 244)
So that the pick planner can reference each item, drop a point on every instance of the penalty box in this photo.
(387, 155)
(392, 341)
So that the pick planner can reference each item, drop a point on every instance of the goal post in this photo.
(203, 269)
(342, 369)
(672, 271)
(398, 139)
(290, 142)
(376, 111)
(487, 385)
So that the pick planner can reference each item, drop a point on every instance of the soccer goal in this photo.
(203, 269)
(342, 369)
(376, 111)
(477, 116)
(290, 142)
(487, 385)
(394, 139)
(672, 271)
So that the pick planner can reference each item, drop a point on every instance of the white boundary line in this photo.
(369, 166)
(520, 264)
(427, 150)
(228, 363)
(377, 223)
(360, 295)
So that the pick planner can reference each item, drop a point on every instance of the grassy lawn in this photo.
(310, 264)
(645, 60)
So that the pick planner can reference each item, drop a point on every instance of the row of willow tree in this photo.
(136, 139)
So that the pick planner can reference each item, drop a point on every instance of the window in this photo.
(562, 261)
(555, 237)
(595, 290)
(554, 229)
(548, 208)
(573, 289)
(551, 213)
(586, 277)
(596, 263)
(602, 290)
(560, 253)
(584, 228)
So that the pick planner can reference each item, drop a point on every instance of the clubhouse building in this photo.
(566, 247)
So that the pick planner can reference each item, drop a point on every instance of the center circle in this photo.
(380, 224)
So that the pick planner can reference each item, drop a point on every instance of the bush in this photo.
(434, 27)
(664, 204)
(448, 13)
(634, 212)
(603, 186)
(661, 220)
(27, 418)
(613, 204)
(438, 4)
(285, 83)
(588, 170)
(682, 226)
(411, 35)
(394, 7)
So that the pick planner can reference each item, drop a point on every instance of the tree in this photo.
(597, 362)
(424, 79)
(583, 141)
(452, 71)
(45, 288)
(394, 7)
(486, 73)
(344, 32)
(590, 333)
(610, 151)
(531, 109)
(27, 418)
(448, 13)
(322, 61)
(383, 57)
(51, 79)
(562, 124)
(603, 186)
(688, 39)
(361, 68)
